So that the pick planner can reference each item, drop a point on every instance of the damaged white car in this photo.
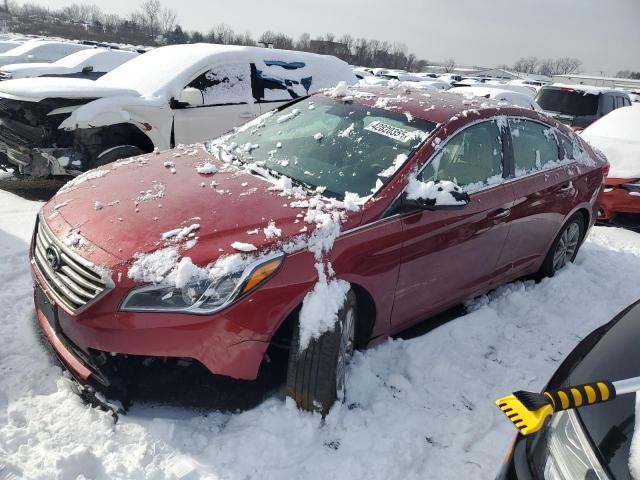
(173, 95)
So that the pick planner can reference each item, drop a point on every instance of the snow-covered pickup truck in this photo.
(91, 63)
(173, 95)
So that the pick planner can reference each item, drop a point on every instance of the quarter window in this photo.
(472, 158)
(534, 146)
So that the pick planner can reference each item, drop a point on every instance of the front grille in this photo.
(75, 282)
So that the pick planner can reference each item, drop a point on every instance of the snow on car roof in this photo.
(617, 134)
(500, 94)
(432, 105)
(92, 54)
(33, 45)
(583, 88)
(165, 71)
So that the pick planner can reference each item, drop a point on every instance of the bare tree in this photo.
(567, 65)
(167, 20)
(449, 65)
(304, 42)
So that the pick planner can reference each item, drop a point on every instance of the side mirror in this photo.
(87, 69)
(434, 195)
(191, 97)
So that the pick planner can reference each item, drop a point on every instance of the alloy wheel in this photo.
(567, 246)
(345, 352)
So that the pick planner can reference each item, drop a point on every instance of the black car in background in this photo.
(578, 106)
(590, 443)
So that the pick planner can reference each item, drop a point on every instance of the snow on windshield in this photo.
(337, 145)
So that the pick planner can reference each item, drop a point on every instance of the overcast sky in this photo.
(604, 34)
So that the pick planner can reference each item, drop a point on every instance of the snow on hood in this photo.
(617, 135)
(36, 89)
(143, 204)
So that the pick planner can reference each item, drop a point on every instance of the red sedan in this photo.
(330, 224)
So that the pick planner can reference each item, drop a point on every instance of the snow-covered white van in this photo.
(172, 95)
(38, 51)
(91, 63)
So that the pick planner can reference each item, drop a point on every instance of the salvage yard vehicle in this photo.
(172, 95)
(617, 135)
(338, 220)
(580, 105)
(593, 441)
(38, 51)
(91, 63)
(499, 94)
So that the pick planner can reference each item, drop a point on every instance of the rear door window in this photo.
(472, 158)
(279, 81)
(619, 102)
(225, 84)
(608, 104)
(567, 101)
(535, 147)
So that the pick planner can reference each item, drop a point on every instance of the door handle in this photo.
(500, 214)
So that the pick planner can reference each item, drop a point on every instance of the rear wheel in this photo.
(116, 153)
(564, 248)
(317, 376)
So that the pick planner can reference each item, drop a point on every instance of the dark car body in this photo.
(579, 106)
(610, 352)
(403, 264)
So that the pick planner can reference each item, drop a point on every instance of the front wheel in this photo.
(564, 248)
(316, 377)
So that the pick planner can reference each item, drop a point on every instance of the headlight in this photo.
(569, 455)
(203, 296)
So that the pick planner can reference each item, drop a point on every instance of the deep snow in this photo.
(420, 408)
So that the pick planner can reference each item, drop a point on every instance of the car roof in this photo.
(426, 104)
(583, 88)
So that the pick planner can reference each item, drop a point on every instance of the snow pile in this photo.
(291, 115)
(272, 231)
(244, 247)
(441, 192)
(617, 135)
(206, 169)
(440, 418)
(320, 309)
(153, 267)
(181, 233)
(155, 192)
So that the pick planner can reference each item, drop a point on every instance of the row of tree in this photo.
(547, 66)
(153, 24)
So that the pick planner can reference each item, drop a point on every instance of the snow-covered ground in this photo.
(420, 408)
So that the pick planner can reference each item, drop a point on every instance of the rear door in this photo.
(275, 83)
(449, 256)
(544, 194)
(228, 103)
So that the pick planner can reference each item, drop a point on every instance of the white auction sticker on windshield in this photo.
(390, 131)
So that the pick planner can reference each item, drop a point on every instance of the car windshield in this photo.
(338, 146)
(568, 102)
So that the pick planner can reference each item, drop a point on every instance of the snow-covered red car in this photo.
(617, 135)
(172, 95)
(330, 224)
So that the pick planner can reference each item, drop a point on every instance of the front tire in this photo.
(564, 248)
(316, 377)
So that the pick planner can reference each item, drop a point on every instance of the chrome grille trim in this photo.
(77, 283)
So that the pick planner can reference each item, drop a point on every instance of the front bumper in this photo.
(41, 162)
(616, 199)
(516, 465)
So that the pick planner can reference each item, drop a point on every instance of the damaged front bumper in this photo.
(41, 162)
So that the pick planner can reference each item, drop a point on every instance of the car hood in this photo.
(140, 199)
(609, 353)
(37, 89)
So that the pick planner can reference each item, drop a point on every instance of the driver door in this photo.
(449, 256)
(228, 103)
